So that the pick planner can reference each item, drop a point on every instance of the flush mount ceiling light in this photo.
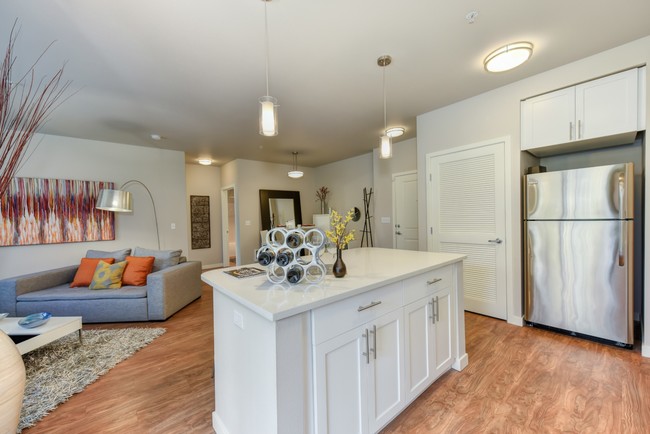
(386, 143)
(295, 173)
(394, 132)
(268, 104)
(508, 57)
(205, 161)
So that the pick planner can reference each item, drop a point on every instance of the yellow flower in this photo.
(338, 234)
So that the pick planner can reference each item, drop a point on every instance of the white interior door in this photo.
(405, 211)
(229, 227)
(466, 215)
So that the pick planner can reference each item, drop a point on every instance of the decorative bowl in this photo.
(4, 315)
(34, 320)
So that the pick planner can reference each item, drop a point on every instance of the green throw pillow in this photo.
(108, 276)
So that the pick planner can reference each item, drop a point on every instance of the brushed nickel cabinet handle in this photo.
(367, 353)
(368, 306)
(432, 281)
(374, 341)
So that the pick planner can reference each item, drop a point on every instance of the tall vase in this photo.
(338, 269)
(12, 384)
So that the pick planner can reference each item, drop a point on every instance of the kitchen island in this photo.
(342, 356)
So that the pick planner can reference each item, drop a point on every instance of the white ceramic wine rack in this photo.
(292, 255)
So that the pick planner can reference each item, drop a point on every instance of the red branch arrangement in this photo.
(24, 106)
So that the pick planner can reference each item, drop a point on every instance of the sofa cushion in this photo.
(64, 292)
(108, 276)
(118, 255)
(137, 269)
(163, 258)
(86, 270)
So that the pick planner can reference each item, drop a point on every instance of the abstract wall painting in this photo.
(200, 221)
(49, 211)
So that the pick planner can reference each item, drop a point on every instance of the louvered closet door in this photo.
(466, 213)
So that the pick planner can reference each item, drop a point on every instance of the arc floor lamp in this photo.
(120, 201)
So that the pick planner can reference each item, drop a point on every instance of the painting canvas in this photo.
(48, 211)
(200, 221)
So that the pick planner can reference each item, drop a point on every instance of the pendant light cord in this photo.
(266, 35)
(384, 88)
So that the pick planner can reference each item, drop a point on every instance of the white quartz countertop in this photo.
(367, 268)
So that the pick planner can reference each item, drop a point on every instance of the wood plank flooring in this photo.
(519, 380)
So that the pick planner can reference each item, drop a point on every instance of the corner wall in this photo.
(206, 181)
(162, 171)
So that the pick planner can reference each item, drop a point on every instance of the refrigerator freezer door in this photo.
(604, 192)
(575, 280)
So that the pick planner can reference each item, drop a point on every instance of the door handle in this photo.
(497, 241)
(398, 233)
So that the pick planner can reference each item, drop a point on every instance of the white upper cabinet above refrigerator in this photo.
(593, 114)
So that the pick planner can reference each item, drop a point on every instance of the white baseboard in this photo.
(461, 363)
(516, 320)
(217, 425)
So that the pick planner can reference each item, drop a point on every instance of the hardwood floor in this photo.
(526, 380)
(166, 387)
(519, 380)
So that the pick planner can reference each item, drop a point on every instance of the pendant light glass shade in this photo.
(268, 116)
(508, 57)
(294, 172)
(386, 147)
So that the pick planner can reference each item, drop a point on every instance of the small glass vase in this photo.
(338, 269)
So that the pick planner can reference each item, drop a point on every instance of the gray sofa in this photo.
(169, 288)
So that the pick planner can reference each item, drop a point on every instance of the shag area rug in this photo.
(64, 367)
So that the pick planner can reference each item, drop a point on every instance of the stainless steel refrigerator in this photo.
(578, 243)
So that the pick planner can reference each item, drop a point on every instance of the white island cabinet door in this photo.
(444, 325)
(340, 384)
(420, 344)
(386, 390)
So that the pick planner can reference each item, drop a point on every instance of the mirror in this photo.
(277, 207)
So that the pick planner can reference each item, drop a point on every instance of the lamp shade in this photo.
(114, 200)
(386, 147)
(268, 116)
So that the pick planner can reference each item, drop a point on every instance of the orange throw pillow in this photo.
(137, 269)
(86, 270)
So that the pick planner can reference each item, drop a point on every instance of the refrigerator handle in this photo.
(622, 242)
(622, 209)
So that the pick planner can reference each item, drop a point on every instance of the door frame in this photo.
(225, 224)
(409, 172)
(513, 225)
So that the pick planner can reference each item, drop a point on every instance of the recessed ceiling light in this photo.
(395, 131)
(508, 57)
(155, 137)
(205, 161)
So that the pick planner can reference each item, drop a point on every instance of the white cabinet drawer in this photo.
(336, 318)
(427, 283)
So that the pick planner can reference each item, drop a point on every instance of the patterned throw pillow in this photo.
(86, 271)
(108, 276)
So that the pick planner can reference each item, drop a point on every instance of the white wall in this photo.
(162, 171)
(249, 177)
(346, 180)
(404, 160)
(206, 181)
(496, 114)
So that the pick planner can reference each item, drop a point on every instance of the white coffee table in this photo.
(55, 328)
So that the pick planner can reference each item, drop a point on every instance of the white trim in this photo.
(225, 225)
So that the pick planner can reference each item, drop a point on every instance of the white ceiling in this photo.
(192, 71)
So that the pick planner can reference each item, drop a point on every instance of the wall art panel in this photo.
(48, 211)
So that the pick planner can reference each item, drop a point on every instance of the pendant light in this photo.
(268, 104)
(386, 144)
(295, 173)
